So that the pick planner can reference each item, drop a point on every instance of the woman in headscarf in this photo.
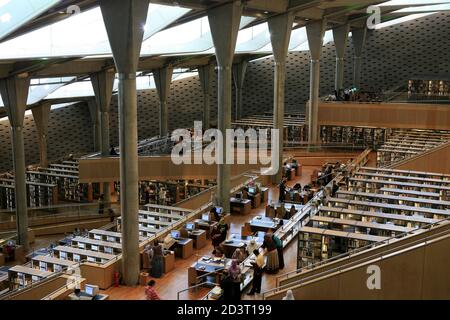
(272, 264)
(239, 254)
(289, 295)
(236, 277)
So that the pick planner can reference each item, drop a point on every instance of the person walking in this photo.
(157, 264)
(282, 188)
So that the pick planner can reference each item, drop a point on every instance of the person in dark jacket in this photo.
(228, 287)
(282, 187)
(157, 261)
(216, 236)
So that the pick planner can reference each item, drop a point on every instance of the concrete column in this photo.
(239, 70)
(124, 20)
(315, 32)
(96, 129)
(340, 35)
(359, 40)
(206, 73)
(280, 28)
(224, 23)
(103, 82)
(41, 115)
(14, 93)
(163, 79)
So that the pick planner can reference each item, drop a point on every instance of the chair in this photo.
(246, 230)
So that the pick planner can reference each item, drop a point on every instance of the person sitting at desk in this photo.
(157, 261)
(214, 212)
(239, 254)
(112, 151)
(184, 233)
(216, 236)
(291, 212)
(169, 242)
(252, 245)
(218, 252)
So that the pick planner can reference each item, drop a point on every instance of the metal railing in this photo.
(348, 254)
(196, 286)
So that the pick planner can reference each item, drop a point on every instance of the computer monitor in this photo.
(219, 210)
(251, 190)
(94, 247)
(76, 258)
(175, 233)
(190, 226)
(205, 217)
(91, 290)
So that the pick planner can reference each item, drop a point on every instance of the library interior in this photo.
(224, 150)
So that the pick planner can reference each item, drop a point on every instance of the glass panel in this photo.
(400, 20)
(411, 2)
(190, 37)
(81, 35)
(14, 14)
(76, 89)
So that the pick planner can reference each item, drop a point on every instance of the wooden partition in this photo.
(385, 115)
(435, 160)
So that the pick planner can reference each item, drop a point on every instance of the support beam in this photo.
(239, 70)
(163, 79)
(102, 83)
(315, 32)
(14, 93)
(224, 23)
(94, 111)
(41, 115)
(340, 35)
(358, 40)
(280, 28)
(125, 39)
(206, 74)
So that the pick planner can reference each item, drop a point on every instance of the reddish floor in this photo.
(171, 283)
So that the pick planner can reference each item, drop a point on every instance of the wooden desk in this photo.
(205, 225)
(242, 206)
(199, 237)
(203, 266)
(184, 248)
(255, 199)
(169, 262)
(103, 257)
(236, 241)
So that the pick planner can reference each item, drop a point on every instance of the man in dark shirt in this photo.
(282, 190)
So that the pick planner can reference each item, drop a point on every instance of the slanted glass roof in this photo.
(14, 14)
(83, 34)
(191, 37)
